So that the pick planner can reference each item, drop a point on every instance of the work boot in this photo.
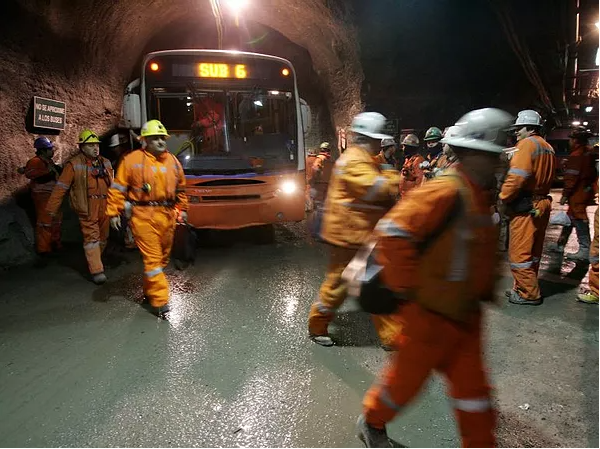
(582, 228)
(163, 312)
(370, 436)
(515, 298)
(323, 340)
(99, 278)
(588, 297)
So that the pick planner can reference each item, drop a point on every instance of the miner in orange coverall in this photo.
(360, 193)
(524, 198)
(387, 155)
(43, 173)
(578, 191)
(86, 177)
(310, 159)
(412, 172)
(320, 175)
(590, 296)
(152, 181)
(437, 252)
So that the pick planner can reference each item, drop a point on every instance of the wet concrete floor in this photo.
(84, 366)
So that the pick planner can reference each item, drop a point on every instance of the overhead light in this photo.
(258, 103)
(237, 5)
(187, 158)
(274, 92)
(589, 108)
(576, 123)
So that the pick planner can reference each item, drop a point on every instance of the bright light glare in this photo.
(576, 123)
(285, 72)
(589, 108)
(598, 57)
(274, 92)
(585, 123)
(154, 67)
(187, 158)
(288, 187)
(237, 5)
(258, 103)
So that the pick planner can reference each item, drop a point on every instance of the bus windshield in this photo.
(228, 131)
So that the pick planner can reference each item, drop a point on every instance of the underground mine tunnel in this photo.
(83, 54)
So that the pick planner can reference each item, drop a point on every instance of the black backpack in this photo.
(183, 251)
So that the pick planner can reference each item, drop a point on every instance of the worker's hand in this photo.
(564, 200)
(115, 223)
(183, 217)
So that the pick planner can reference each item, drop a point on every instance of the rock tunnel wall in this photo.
(83, 52)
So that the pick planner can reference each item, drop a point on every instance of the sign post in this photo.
(49, 114)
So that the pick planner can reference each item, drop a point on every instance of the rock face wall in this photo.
(84, 52)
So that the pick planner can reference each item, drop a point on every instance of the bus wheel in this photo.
(265, 234)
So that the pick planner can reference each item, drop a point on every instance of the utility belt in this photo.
(166, 203)
(523, 204)
(98, 197)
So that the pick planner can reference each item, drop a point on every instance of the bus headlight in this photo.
(288, 187)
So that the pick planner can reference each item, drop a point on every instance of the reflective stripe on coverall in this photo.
(47, 227)
(153, 226)
(94, 223)
(532, 170)
(444, 283)
(412, 174)
(359, 194)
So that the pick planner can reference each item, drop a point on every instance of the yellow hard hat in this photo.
(154, 128)
(88, 136)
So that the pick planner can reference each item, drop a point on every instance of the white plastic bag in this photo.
(560, 219)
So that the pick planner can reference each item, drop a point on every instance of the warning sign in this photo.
(49, 114)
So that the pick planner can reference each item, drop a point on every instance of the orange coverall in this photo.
(412, 174)
(310, 159)
(154, 212)
(579, 179)
(444, 285)
(47, 228)
(532, 170)
(90, 190)
(321, 173)
(359, 194)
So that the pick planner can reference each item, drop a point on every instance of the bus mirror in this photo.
(132, 111)
(306, 115)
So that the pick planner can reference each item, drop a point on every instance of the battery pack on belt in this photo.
(153, 203)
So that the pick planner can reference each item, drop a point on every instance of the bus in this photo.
(237, 126)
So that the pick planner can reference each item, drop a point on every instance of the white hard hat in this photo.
(528, 117)
(116, 140)
(411, 140)
(481, 129)
(387, 143)
(369, 124)
(451, 131)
